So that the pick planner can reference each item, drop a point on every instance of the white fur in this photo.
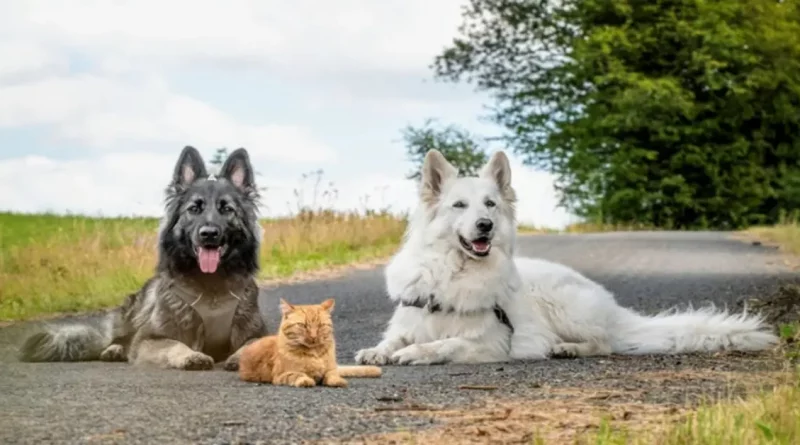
(554, 309)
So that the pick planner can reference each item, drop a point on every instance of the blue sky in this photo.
(97, 99)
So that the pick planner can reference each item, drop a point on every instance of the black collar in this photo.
(433, 307)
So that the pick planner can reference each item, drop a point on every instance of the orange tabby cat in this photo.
(302, 354)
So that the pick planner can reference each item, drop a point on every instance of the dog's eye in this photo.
(490, 203)
(460, 204)
(195, 208)
(226, 209)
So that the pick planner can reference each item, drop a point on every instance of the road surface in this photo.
(116, 403)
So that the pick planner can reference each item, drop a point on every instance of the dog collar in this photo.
(433, 307)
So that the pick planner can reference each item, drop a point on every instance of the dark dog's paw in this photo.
(113, 353)
(197, 361)
(232, 364)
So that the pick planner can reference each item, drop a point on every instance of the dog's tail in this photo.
(693, 330)
(360, 371)
(68, 342)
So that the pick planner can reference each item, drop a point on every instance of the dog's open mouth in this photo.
(478, 247)
(208, 258)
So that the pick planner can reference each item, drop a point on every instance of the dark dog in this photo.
(201, 306)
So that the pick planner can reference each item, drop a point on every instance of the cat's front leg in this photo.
(296, 379)
(333, 379)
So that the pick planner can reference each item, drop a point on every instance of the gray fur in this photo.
(181, 318)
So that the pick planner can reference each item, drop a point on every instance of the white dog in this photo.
(464, 298)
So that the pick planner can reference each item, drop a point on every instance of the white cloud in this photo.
(20, 60)
(109, 113)
(298, 36)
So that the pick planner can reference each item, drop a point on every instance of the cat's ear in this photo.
(328, 304)
(286, 308)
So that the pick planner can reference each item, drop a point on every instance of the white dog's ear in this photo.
(435, 172)
(498, 170)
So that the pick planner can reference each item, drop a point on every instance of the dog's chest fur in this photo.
(215, 303)
(217, 312)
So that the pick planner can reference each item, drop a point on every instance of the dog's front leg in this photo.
(397, 336)
(167, 353)
(451, 350)
(248, 326)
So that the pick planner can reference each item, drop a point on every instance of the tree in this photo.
(464, 150)
(219, 157)
(678, 113)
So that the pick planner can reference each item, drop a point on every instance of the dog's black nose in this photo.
(484, 224)
(209, 233)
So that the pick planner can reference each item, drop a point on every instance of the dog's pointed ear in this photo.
(435, 172)
(498, 170)
(189, 168)
(238, 171)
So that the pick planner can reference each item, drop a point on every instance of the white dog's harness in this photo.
(433, 307)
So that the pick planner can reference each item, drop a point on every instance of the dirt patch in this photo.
(563, 414)
(523, 421)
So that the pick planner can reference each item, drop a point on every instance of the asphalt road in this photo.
(116, 403)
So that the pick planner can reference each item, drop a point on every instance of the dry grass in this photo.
(786, 235)
(55, 264)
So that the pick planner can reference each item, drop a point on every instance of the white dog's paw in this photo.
(565, 350)
(417, 355)
(372, 356)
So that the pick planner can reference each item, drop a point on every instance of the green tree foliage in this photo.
(676, 113)
(464, 150)
(219, 157)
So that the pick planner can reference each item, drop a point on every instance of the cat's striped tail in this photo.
(360, 371)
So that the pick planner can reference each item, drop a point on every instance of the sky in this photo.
(97, 98)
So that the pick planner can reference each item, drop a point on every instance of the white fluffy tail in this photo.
(694, 330)
(67, 343)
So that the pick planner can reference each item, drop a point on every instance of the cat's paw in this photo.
(113, 353)
(372, 356)
(416, 355)
(196, 361)
(303, 382)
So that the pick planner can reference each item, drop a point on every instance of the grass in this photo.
(55, 264)
(786, 234)
(771, 417)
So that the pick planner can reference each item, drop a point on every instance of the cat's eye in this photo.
(460, 205)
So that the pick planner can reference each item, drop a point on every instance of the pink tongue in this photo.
(208, 259)
(480, 246)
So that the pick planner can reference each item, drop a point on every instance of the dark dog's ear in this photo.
(189, 168)
(435, 172)
(238, 171)
(498, 169)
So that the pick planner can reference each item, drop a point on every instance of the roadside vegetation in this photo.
(771, 417)
(54, 264)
